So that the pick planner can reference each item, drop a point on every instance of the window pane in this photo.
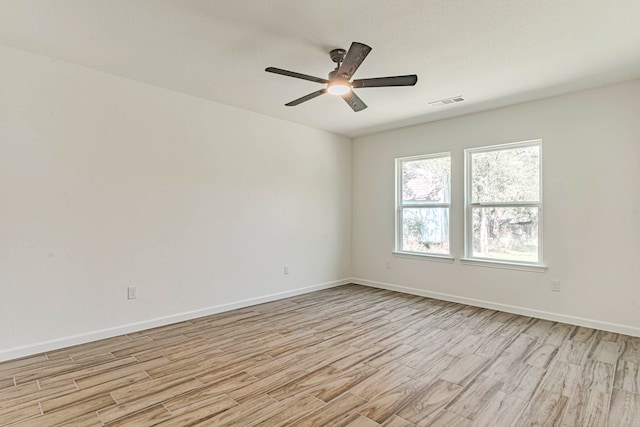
(426, 180)
(425, 230)
(511, 175)
(509, 234)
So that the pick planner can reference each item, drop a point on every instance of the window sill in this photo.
(504, 265)
(424, 257)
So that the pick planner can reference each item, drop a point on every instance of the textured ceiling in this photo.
(492, 52)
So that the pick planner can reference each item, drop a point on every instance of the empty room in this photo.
(196, 230)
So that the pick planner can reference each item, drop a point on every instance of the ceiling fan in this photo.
(338, 83)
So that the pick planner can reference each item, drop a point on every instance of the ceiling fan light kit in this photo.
(338, 87)
(339, 82)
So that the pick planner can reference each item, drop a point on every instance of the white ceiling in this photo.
(492, 52)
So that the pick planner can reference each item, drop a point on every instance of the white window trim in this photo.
(468, 205)
(505, 265)
(423, 256)
(399, 206)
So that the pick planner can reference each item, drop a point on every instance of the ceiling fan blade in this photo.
(296, 75)
(356, 54)
(408, 80)
(354, 101)
(305, 98)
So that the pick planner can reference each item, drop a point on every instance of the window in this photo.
(423, 203)
(504, 203)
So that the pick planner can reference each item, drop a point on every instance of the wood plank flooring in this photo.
(348, 356)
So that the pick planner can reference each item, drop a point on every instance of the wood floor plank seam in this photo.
(611, 387)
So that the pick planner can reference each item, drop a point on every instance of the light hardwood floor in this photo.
(348, 356)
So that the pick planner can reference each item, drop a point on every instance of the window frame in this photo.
(469, 205)
(400, 206)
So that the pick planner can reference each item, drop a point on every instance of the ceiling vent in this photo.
(447, 101)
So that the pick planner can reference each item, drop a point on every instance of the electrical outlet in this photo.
(388, 265)
(132, 292)
(286, 270)
(555, 285)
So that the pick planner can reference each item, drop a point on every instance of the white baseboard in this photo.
(55, 344)
(28, 350)
(556, 317)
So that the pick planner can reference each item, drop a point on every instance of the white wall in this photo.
(591, 164)
(106, 183)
